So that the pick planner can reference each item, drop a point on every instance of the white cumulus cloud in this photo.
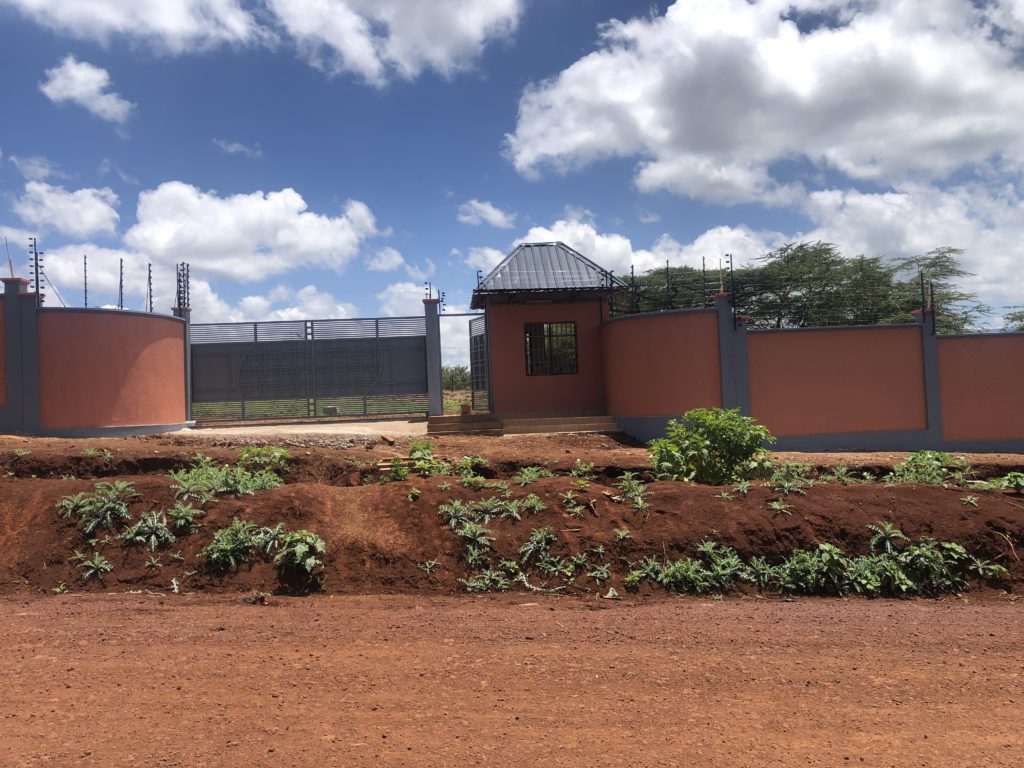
(387, 259)
(88, 86)
(246, 237)
(713, 95)
(478, 212)
(377, 40)
(79, 213)
(174, 26)
(483, 258)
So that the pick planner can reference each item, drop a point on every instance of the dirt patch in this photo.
(186, 682)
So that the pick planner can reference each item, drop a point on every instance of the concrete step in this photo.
(547, 426)
(474, 424)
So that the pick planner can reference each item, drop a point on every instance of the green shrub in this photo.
(150, 531)
(105, 507)
(929, 468)
(265, 457)
(712, 446)
(204, 480)
(790, 478)
(528, 475)
(299, 553)
(583, 470)
(94, 567)
(422, 460)
(184, 518)
(1013, 481)
(231, 546)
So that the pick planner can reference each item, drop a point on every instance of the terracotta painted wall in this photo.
(812, 382)
(101, 368)
(662, 365)
(982, 383)
(3, 353)
(515, 393)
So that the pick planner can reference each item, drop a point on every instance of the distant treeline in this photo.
(812, 284)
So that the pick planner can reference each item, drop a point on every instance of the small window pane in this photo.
(550, 349)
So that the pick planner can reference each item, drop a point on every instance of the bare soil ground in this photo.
(378, 538)
(132, 680)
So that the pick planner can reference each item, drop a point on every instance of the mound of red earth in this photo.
(378, 539)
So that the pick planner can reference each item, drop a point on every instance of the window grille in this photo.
(550, 349)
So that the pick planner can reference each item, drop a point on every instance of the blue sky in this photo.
(324, 158)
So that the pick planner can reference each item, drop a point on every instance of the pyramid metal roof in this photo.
(547, 267)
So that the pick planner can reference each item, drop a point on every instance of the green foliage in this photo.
(268, 538)
(621, 534)
(476, 534)
(454, 377)
(204, 480)
(300, 553)
(571, 503)
(488, 580)
(712, 446)
(779, 507)
(599, 572)
(473, 482)
(583, 469)
(533, 504)
(929, 468)
(528, 475)
(150, 531)
(105, 507)
(414, 494)
(422, 460)
(184, 518)
(715, 569)
(231, 546)
(428, 566)
(886, 537)
(1013, 481)
(790, 478)
(632, 490)
(94, 567)
(469, 466)
(538, 543)
(106, 455)
(265, 457)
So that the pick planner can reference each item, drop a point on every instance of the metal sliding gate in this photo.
(309, 368)
(479, 364)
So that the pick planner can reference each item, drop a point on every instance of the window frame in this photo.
(550, 354)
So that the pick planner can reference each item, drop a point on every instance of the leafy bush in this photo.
(929, 468)
(299, 553)
(422, 460)
(790, 478)
(885, 537)
(1013, 481)
(583, 470)
(712, 446)
(105, 507)
(231, 546)
(184, 518)
(715, 569)
(150, 531)
(94, 567)
(265, 457)
(204, 480)
(455, 377)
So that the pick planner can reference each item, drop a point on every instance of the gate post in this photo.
(185, 313)
(433, 330)
(19, 408)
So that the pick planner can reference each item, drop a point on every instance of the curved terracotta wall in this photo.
(662, 365)
(3, 353)
(107, 368)
(515, 393)
(816, 382)
(981, 379)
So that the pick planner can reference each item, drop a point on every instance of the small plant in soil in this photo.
(725, 495)
(886, 537)
(621, 534)
(95, 567)
(489, 580)
(269, 457)
(469, 466)
(473, 482)
(105, 507)
(150, 531)
(476, 534)
(583, 470)
(571, 504)
(183, 518)
(154, 562)
(538, 543)
(599, 572)
(444, 487)
(969, 501)
(533, 504)
(930, 468)
(177, 557)
(204, 480)
(414, 494)
(528, 475)
(790, 478)
(742, 486)
(779, 507)
(428, 566)
(60, 589)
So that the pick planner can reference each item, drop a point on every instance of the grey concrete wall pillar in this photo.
(732, 355)
(20, 412)
(930, 361)
(435, 401)
(185, 313)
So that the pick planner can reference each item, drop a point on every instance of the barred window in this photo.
(550, 349)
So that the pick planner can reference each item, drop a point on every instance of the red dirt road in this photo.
(136, 680)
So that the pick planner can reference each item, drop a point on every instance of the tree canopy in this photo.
(812, 284)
